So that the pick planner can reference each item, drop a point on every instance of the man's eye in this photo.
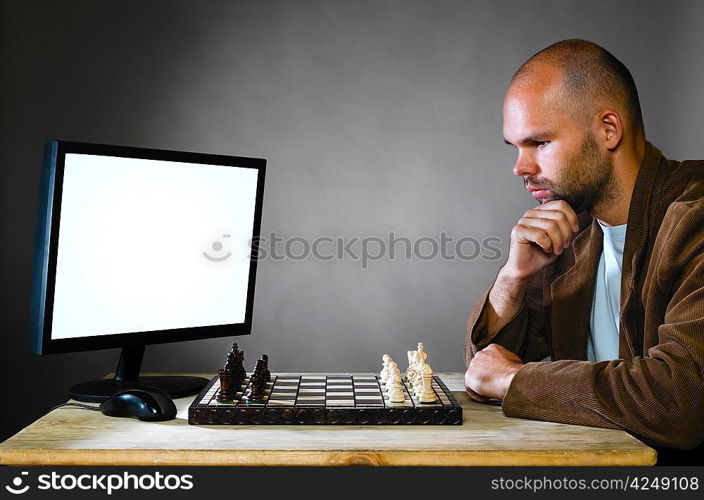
(540, 144)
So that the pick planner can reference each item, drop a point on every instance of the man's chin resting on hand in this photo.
(605, 275)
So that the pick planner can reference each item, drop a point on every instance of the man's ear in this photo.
(609, 128)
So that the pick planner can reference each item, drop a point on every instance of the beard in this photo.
(585, 180)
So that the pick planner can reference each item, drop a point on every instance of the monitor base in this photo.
(97, 391)
(127, 375)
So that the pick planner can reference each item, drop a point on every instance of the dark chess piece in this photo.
(257, 384)
(226, 392)
(265, 369)
(239, 374)
(232, 357)
(235, 364)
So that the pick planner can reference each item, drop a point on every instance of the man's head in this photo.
(569, 110)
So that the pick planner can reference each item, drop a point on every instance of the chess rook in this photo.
(227, 392)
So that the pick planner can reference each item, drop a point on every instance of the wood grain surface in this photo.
(73, 436)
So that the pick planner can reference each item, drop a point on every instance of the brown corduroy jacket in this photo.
(655, 390)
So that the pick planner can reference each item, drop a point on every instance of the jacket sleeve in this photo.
(658, 397)
(524, 335)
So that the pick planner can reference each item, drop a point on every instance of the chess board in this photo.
(324, 399)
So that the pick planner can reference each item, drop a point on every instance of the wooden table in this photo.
(72, 436)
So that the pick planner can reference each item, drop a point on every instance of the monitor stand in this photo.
(127, 375)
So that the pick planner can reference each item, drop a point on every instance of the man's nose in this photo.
(525, 165)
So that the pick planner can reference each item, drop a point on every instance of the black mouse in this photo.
(145, 403)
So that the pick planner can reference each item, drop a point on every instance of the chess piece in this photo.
(421, 356)
(226, 392)
(417, 387)
(393, 367)
(421, 359)
(395, 388)
(427, 394)
(393, 371)
(229, 364)
(257, 385)
(384, 374)
(418, 378)
(410, 373)
(266, 374)
(235, 365)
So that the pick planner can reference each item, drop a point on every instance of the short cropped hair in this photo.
(589, 72)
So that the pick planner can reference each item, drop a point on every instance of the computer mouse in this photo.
(145, 403)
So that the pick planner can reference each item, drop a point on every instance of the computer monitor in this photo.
(139, 246)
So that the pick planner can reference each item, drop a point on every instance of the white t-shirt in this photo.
(602, 343)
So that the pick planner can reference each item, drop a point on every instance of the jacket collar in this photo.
(572, 285)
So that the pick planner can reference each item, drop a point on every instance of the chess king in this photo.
(597, 316)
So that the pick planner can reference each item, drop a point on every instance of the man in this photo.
(597, 317)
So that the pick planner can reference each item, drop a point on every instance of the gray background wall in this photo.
(375, 116)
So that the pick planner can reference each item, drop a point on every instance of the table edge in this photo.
(157, 457)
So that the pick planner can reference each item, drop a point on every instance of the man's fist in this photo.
(491, 371)
(539, 237)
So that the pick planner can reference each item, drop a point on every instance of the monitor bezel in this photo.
(46, 249)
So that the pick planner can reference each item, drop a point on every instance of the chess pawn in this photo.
(256, 389)
(393, 368)
(395, 388)
(257, 384)
(427, 394)
(384, 374)
(252, 393)
(394, 374)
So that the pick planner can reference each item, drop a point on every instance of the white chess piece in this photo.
(418, 382)
(394, 373)
(427, 394)
(395, 388)
(421, 360)
(384, 374)
(418, 378)
(422, 356)
(393, 368)
(411, 373)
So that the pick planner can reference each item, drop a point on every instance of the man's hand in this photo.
(539, 237)
(473, 395)
(490, 373)
(536, 240)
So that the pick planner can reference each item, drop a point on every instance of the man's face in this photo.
(558, 156)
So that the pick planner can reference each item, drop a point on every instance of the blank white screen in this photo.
(136, 242)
